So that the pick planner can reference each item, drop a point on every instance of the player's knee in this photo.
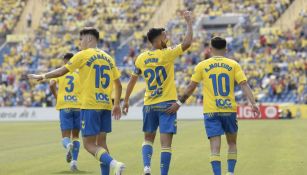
(87, 146)
(166, 143)
(232, 145)
(215, 150)
(150, 137)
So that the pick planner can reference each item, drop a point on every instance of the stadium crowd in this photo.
(10, 12)
(274, 62)
(267, 59)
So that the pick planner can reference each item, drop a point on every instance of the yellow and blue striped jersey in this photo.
(68, 95)
(218, 75)
(157, 68)
(97, 71)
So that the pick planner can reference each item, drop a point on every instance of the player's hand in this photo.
(187, 16)
(125, 108)
(36, 77)
(255, 110)
(116, 112)
(172, 109)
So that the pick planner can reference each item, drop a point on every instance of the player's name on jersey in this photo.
(151, 60)
(218, 65)
(99, 56)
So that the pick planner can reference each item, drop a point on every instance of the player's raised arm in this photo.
(249, 95)
(189, 35)
(74, 63)
(52, 86)
(187, 93)
(52, 74)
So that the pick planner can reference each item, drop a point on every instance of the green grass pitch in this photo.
(265, 148)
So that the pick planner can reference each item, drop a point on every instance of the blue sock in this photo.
(166, 155)
(147, 153)
(65, 142)
(105, 160)
(232, 160)
(76, 147)
(105, 169)
(216, 164)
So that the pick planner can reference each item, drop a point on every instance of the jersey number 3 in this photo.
(70, 83)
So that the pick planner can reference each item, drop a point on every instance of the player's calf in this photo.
(76, 148)
(215, 159)
(232, 152)
(106, 160)
(147, 151)
(166, 152)
(68, 146)
(166, 155)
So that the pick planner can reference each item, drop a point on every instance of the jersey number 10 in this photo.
(218, 85)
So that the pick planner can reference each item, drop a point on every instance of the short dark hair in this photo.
(68, 56)
(90, 31)
(153, 33)
(218, 43)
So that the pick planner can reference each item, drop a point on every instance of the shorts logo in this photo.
(210, 114)
(67, 110)
(83, 124)
(147, 109)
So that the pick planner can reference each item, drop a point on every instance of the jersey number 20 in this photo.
(155, 74)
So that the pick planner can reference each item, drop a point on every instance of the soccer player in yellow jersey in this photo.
(98, 73)
(68, 102)
(219, 75)
(157, 68)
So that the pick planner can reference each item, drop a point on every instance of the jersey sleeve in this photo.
(136, 70)
(115, 71)
(75, 62)
(239, 74)
(197, 75)
(172, 53)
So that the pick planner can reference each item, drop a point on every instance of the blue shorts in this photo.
(70, 119)
(154, 116)
(217, 124)
(95, 121)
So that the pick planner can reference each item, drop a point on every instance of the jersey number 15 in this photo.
(100, 74)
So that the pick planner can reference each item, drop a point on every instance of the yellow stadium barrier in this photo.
(15, 38)
(298, 111)
(267, 30)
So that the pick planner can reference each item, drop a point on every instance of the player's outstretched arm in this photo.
(187, 93)
(130, 86)
(116, 112)
(52, 86)
(189, 35)
(249, 95)
(52, 74)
